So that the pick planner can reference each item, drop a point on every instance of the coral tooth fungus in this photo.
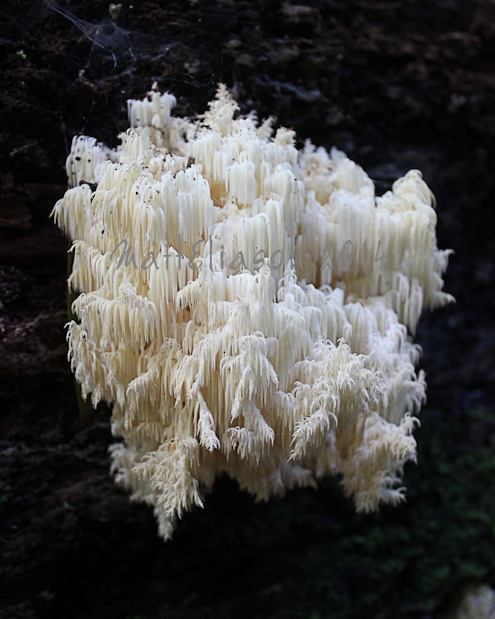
(258, 324)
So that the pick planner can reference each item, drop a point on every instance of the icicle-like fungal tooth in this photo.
(154, 111)
(245, 307)
(85, 160)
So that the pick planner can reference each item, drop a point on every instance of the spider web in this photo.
(119, 43)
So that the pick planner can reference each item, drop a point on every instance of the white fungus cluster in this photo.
(244, 306)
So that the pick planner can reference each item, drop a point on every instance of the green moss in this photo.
(316, 558)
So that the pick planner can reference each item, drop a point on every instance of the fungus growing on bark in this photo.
(245, 306)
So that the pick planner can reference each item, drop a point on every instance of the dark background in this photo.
(397, 85)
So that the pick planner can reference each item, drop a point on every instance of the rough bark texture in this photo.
(397, 85)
